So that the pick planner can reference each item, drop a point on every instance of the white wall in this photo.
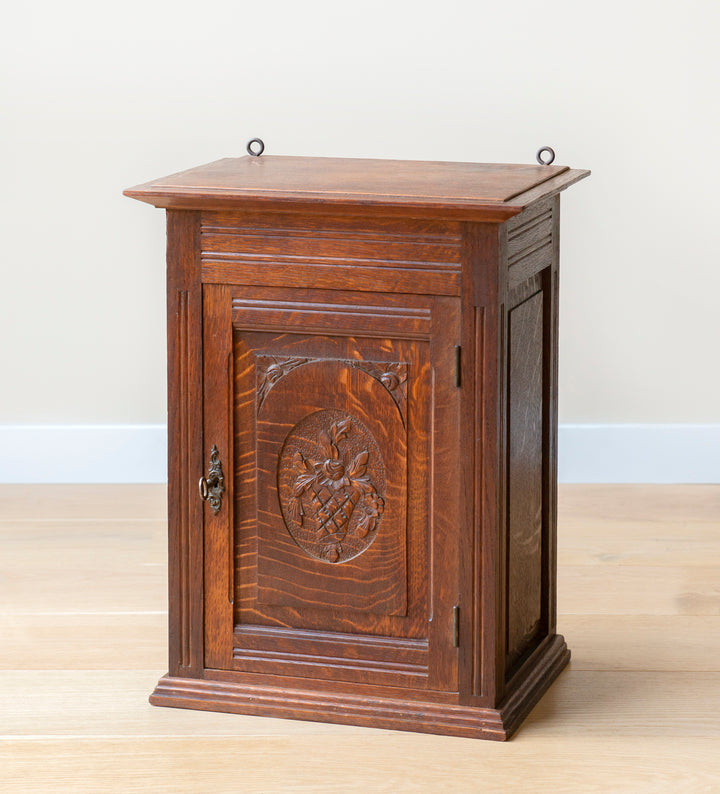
(98, 97)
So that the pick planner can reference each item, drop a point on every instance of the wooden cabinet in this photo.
(363, 375)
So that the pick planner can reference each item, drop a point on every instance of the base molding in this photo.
(353, 709)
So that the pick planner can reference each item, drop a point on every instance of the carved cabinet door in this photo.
(333, 551)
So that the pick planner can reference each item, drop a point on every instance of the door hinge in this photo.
(456, 626)
(458, 376)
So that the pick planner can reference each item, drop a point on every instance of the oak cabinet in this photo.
(362, 375)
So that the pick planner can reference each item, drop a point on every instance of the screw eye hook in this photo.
(255, 152)
(541, 159)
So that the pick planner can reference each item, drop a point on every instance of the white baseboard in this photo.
(678, 453)
(137, 453)
(83, 453)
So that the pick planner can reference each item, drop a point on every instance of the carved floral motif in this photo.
(329, 480)
(271, 369)
(392, 375)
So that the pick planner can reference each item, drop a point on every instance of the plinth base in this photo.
(353, 709)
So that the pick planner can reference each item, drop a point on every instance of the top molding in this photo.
(490, 192)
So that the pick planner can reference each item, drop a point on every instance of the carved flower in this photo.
(359, 465)
(373, 511)
(394, 375)
(390, 380)
(333, 469)
(274, 372)
(281, 367)
(328, 491)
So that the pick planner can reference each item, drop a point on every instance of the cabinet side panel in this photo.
(531, 241)
(524, 561)
(184, 443)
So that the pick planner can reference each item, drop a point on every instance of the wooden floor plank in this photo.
(33, 502)
(83, 566)
(638, 543)
(583, 505)
(638, 590)
(88, 703)
(82, 601)
(76, 544)
(379, 763)
(97, 641)
(643, 642)
(135, 588)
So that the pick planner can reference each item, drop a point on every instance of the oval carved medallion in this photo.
(331, 482)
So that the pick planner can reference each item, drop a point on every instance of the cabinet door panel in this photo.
(294, 414)
(332, 464)
(337, 565)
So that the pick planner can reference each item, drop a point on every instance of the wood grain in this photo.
(637, 711)
(114, 704)
(257, 236)
(329, 176)
(642, 543)
(365, 573)
(530, 237)
(37, 555)
(43, 704)
(217, 590)
(186, 459)
(290, 250)
(220, 691)
(320, 529)
(365, 320)
(600, 642)
(305, 600)
(79, 502)
(289, 548)
(668, 509)
(639, 590)
(85, 640)
(525, 621)
(392, 763)
(466, 191)
(324, 276)
(662, 643)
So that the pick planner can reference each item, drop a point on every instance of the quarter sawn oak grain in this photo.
(371, 347)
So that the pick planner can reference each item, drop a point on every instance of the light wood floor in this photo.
(82, 642)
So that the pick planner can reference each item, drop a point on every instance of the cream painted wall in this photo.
(98, 97)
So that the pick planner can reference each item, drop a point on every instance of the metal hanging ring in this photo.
(539, 155)
(252, 151)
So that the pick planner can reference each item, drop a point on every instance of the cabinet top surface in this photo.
(469, 188)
